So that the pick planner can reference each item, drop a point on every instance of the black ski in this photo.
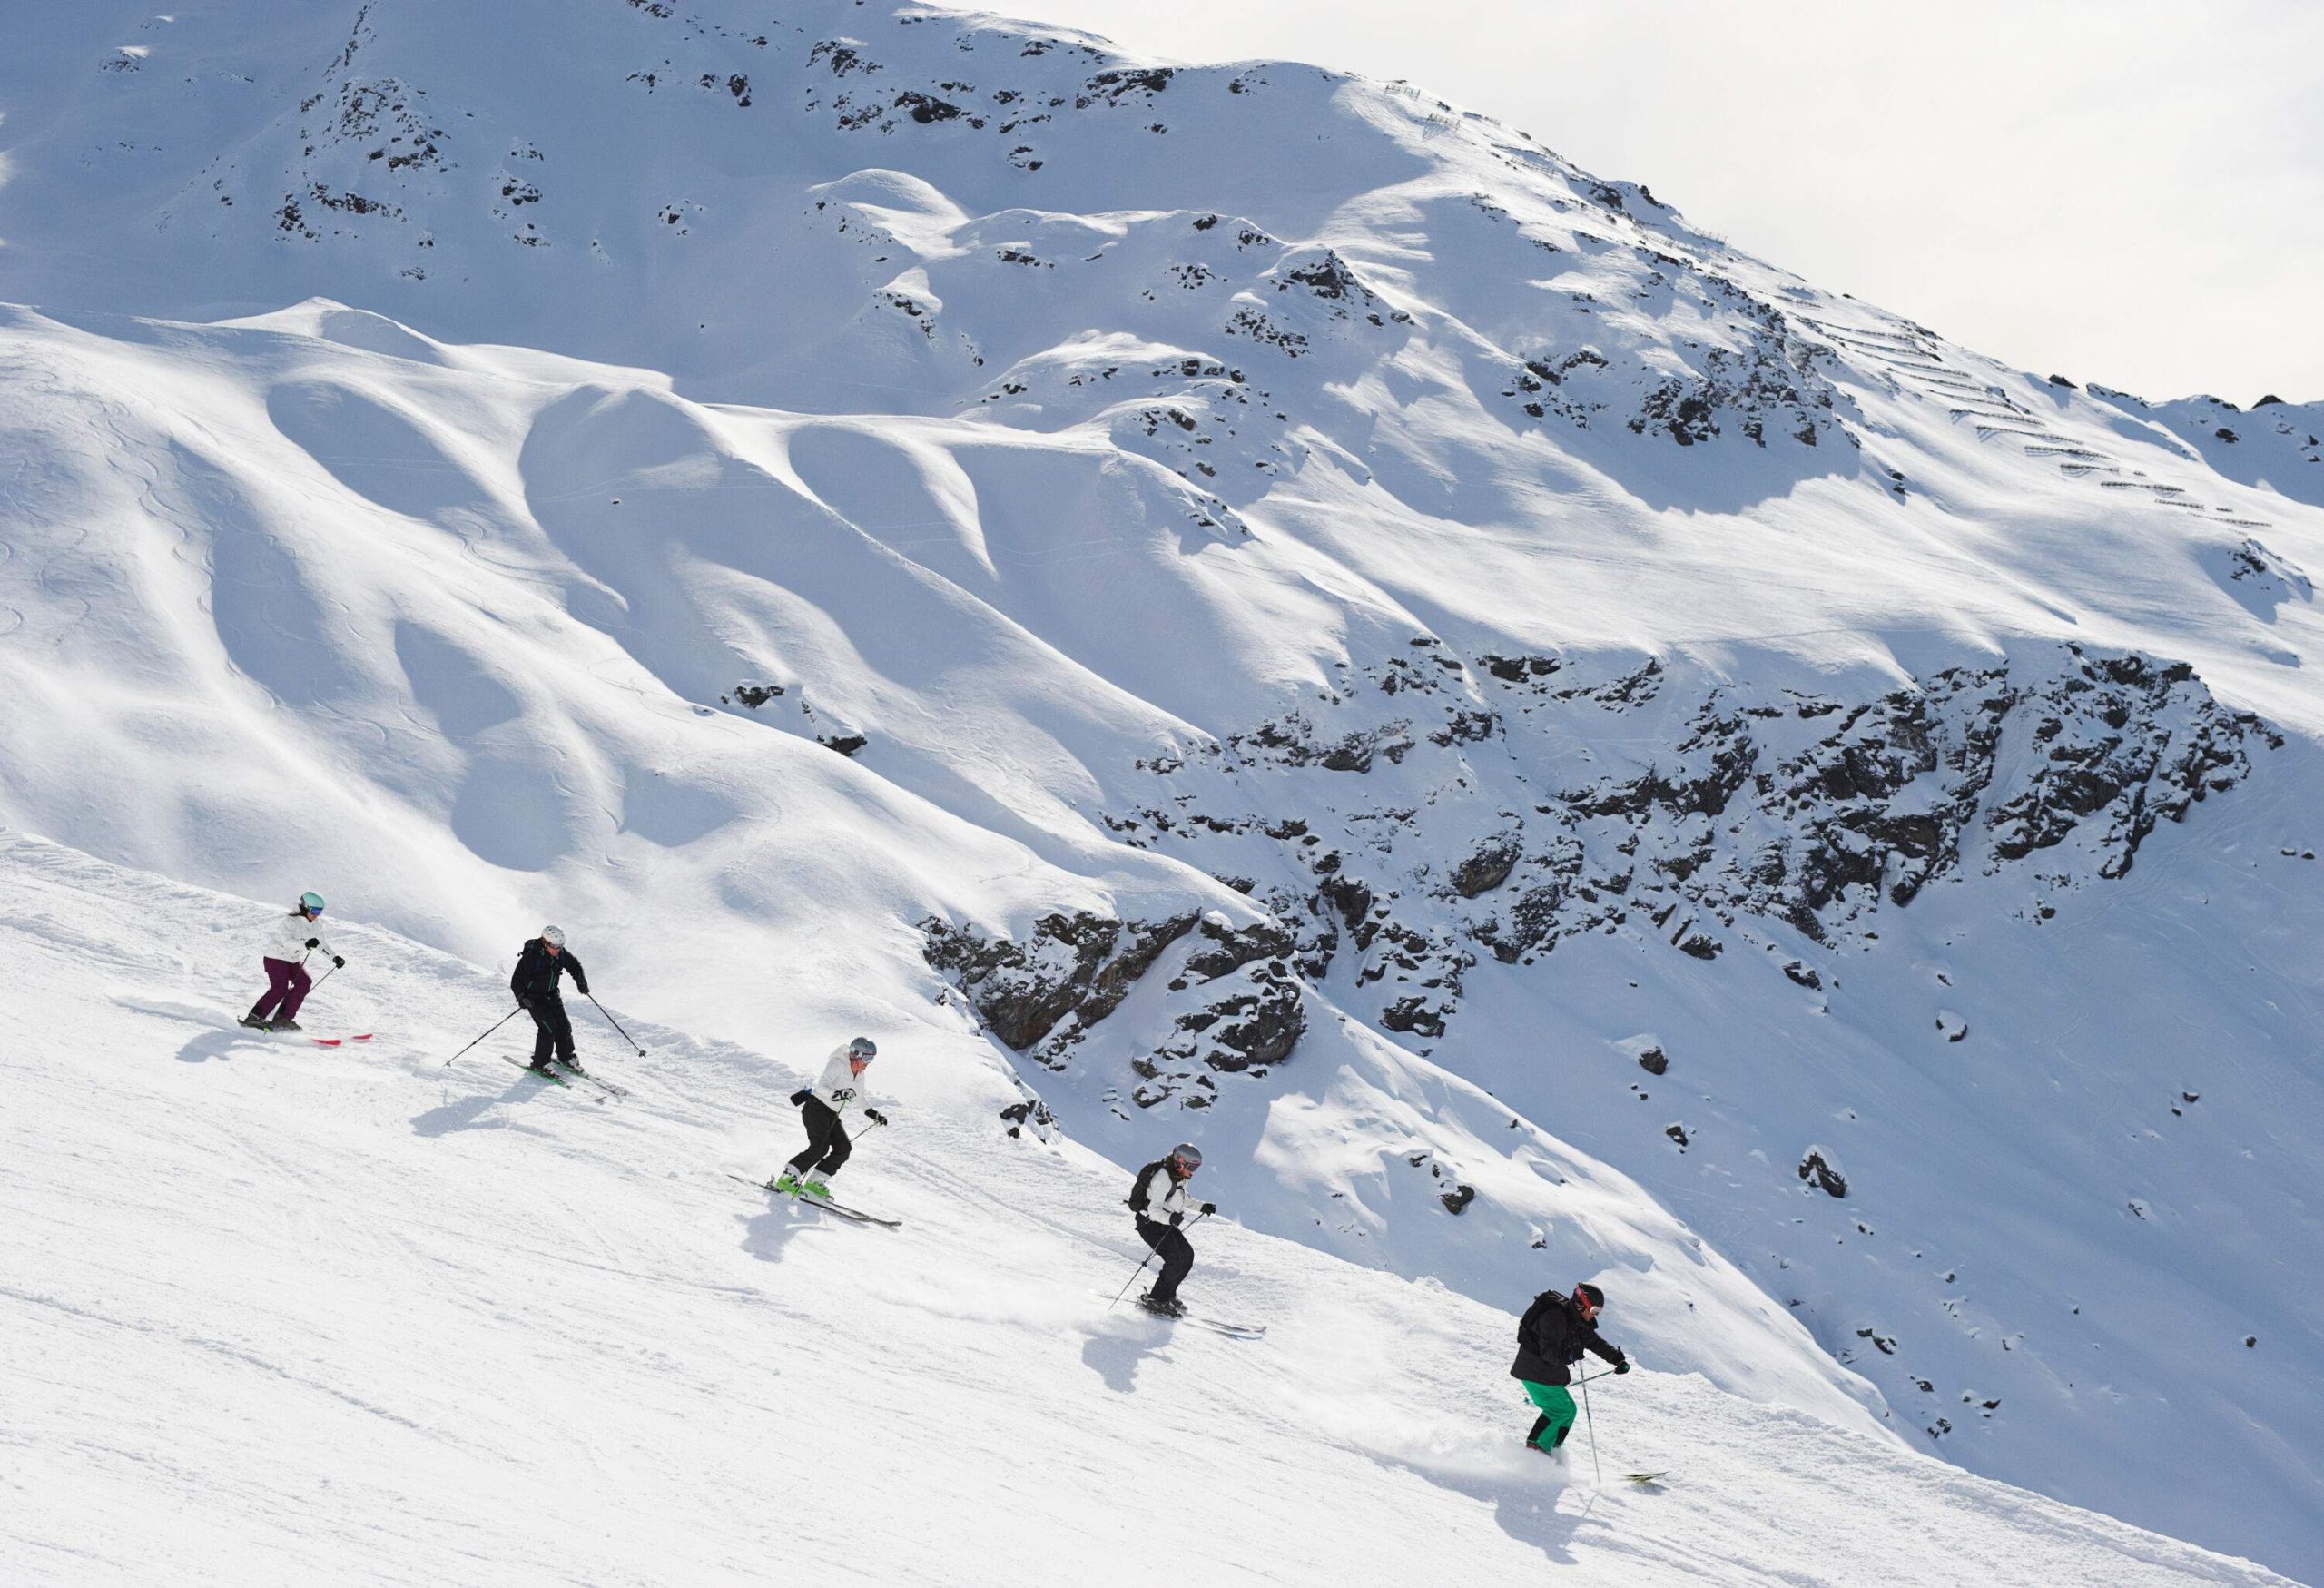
(555, 1078)
(1646, 1480)
(1233, 1331)
(857, 1214)
(603, 1085)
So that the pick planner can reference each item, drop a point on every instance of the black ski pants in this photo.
(827, 1142)
(556, 1031)
(1176, 1252)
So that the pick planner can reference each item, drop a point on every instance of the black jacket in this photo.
(538, 971)
(1552, 1333)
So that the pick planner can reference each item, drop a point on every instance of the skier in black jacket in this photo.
(535, 984)
(1158, 1200)
(1552, 1336)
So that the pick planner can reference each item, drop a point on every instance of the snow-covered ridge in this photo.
(1551, 745)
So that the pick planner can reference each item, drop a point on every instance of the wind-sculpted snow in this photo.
(1273, 610)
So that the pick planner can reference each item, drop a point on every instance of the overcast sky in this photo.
(2120, 190)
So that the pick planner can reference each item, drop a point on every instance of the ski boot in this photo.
(286, 1025)
(1162, 1307)
(786, 1184)
(817, 1189)
(541, 1066)
(257, 1024)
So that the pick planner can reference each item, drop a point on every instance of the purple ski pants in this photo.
(286, 989)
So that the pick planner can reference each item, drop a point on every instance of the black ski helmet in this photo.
(1591, 1294)
(1187, 1156)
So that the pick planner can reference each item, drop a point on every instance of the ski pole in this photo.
(326, 976)
(614, 1023)
(496, 1025)
(1598, 1472)
(1149, 1257)
(1592, 1378)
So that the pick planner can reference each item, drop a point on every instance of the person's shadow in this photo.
(1523, 1501)
(1115, 1349)
(467, 1113)
(766, 1234)
(204, 1046)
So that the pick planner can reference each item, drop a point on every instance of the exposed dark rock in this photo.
(1071, 966)
(1654, 1062)
(1829, 1180)
(1458, 1198)
(1415, 1014)
(1486, 868)
(1229, 949)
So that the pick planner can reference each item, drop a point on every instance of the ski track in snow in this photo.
(279, 1313)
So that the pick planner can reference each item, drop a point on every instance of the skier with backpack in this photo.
(539, 968)
(289, 940)
(1551, 1337)
(820, 1108)
(1159, 1202)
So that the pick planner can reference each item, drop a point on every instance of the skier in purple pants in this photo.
(288, 944)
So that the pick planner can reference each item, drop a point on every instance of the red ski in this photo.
(335, 1042)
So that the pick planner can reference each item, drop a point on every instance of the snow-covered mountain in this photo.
(1233, 603)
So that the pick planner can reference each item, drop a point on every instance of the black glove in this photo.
(1209, 1207)
(875, 1116)
(1621, 1365)
(336, 963)
(799, 1099)
(584, 986)
(314, 942)
(1174, 1219)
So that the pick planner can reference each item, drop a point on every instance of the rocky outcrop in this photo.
(1238, 1002)
(1814, 1166)
(1811, 812)
(1079, 964)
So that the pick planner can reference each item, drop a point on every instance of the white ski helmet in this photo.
(1187, 1156)
(554, 936)
(863, 1048)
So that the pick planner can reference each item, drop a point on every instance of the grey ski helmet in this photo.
(863, 1048)
(311, 902)
(554, 936)
(1187, 1156)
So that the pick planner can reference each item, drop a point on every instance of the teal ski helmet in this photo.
(311, 903)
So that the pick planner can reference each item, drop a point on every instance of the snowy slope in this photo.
(1550, 746)
(2276, 446)
(278, 1313)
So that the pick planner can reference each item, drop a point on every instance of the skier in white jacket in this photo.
(820, 1108)
(288, 942)
(1159, 1202)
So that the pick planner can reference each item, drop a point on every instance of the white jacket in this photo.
(839, 1085)
(286, 938)
(1166, 1198)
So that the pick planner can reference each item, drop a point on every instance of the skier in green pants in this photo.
(1552, 1336)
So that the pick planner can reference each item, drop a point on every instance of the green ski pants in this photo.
(1556, 1404)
